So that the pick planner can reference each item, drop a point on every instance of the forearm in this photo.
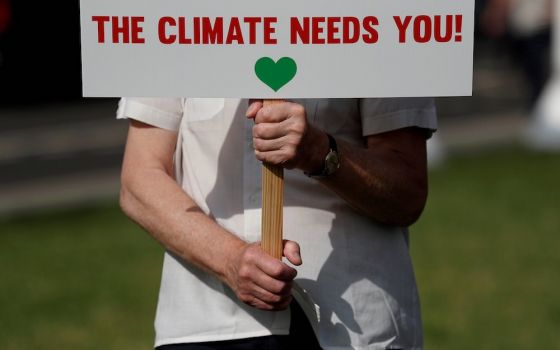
(379, 183)
(152, 198)
(155, 201)
(383, 182)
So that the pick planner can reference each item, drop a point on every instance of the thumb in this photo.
(253, 108)
(292, 252)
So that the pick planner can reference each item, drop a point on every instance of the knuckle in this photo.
(244, 272)
(297, 127)
(277, 270)
(262, 115)
(298, 109)
(262, 131)
(251, 254)
(260, 156)
(257, 130)
(277, 287)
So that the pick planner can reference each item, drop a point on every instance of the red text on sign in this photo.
(124, 30)
(441, 29)
(333, 30)
(216, 31)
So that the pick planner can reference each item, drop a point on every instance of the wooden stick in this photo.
(272, 205)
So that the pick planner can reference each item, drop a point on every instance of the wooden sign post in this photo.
(272, 205)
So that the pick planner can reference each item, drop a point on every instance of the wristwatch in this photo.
(331, 163)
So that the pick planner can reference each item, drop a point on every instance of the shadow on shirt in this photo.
(337, 315)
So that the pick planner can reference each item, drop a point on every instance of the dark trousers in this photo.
(301, 337)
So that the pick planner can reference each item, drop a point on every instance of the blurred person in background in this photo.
(5, 16)
(526, 27)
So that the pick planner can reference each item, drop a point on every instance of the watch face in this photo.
(332, 162)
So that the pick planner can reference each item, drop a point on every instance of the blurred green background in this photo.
(486, 252)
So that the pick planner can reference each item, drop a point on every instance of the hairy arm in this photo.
(151, 197)
(386, 180)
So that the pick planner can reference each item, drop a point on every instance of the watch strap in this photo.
(332, 148)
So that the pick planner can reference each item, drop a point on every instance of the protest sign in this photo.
(277, 49)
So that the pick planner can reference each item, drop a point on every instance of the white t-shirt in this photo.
(357, 273)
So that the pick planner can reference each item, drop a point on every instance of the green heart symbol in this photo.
(276, 74)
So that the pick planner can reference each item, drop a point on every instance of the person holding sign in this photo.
(357, 179)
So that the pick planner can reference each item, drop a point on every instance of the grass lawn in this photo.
(85, 279)
(486, 255)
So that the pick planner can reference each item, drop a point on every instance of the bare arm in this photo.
(386, 179)
(390, 174)
(152, 198)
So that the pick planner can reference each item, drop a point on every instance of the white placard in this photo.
(277, 49)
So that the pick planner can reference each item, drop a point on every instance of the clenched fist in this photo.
(262, 281)
(283, 136)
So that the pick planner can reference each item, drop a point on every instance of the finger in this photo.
(273, 285)
(269, 283)
(268, 297)
(265, 263)
(276, 269)
(269, 131)
(278, 112)
(292, 252)
(262, 145)
(259, 304)
(252, 275)
(254, 106)
(271, 157)
(279, 157)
